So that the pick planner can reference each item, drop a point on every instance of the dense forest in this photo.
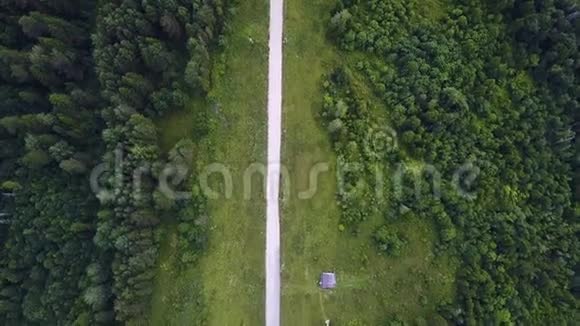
(487, 88)
(81, 84)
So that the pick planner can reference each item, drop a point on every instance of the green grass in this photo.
(177, 125)
(226, 287)
(371, 287)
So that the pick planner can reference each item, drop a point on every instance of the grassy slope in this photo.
(370, 286)
(228, 282)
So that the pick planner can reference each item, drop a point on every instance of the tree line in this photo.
(81, 81)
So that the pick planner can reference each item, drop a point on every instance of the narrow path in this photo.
(273, 179)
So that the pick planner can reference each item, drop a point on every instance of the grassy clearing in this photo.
(227, 286)
(180, 124)
(371, 287)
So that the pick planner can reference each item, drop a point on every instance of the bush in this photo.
(389, 241)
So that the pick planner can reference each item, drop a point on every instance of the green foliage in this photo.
(155, 54)
(162, 201)
(38, 281)
(389, 241)
(492, 86)
(61, 151)
(10, 186)
(73, 166)
(344, 117)
(197, 69)
(68, 70)
(139, 56)
(36, 159)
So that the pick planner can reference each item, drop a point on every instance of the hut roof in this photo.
(328, 280)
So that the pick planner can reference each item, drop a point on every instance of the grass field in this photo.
(227, 286)
(371, 287)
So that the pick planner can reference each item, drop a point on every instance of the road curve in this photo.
(273, 176)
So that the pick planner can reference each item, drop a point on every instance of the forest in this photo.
(488, 87)
(472, 105)
(82, 84)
